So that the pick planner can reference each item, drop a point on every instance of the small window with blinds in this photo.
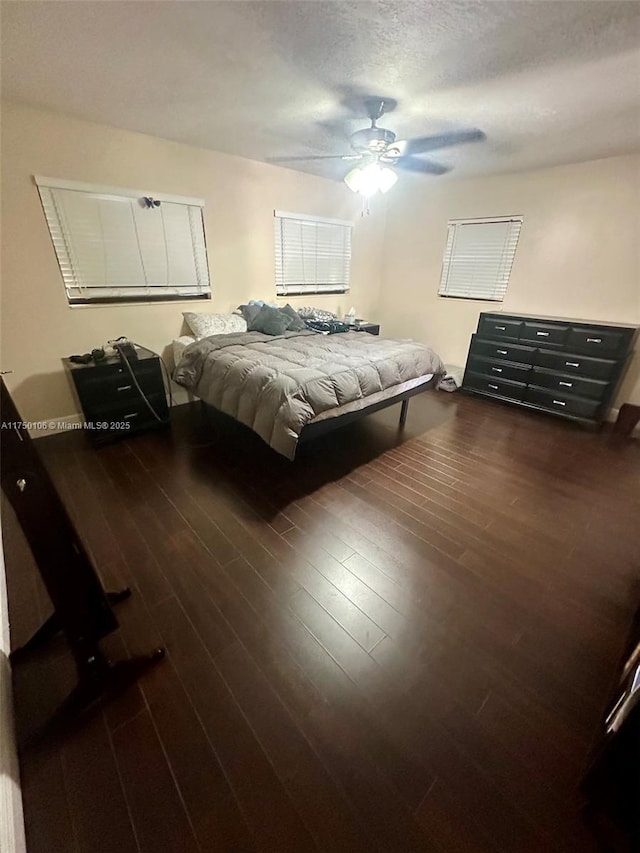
(313, 255)
(119, 246)
(478, 258)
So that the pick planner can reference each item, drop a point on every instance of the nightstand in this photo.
(111, 404)
(371, 328)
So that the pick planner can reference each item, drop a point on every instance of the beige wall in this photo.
(578, 254)
(38, 326)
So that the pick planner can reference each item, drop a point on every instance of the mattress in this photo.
(276, 385)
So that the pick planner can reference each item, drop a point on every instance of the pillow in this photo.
(316, 314)
(249, 312)
(203, 325)
(270, 321)
(296, 323)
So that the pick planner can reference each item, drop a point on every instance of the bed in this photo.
(292, 387)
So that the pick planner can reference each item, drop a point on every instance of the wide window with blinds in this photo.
(313, 255)
(478, 258)
(116, 245)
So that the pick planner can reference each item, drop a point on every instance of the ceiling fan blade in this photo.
(416, 164)
(444, 140)
(315, 157)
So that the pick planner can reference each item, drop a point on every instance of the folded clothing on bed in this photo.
(278, 384)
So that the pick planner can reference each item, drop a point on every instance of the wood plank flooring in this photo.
(400, 642)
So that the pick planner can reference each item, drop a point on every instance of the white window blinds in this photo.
(313, 255)
(112, 247)
(478, 258)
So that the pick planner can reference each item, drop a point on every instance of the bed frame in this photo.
(314, 430)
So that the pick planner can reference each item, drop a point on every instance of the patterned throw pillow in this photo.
(309, 313)
(203, 325)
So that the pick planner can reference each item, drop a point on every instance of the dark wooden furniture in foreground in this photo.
(612, 783)
(568, 367)
(81, 608)
(404, 642)
(112, 405)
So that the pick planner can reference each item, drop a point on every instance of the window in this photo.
(313, 255)
(118, 245)
(478, 257)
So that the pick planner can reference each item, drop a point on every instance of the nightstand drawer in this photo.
(580, 365)
(496, 327)
(133, 411)
(564, 383)
(113, 382)
(597, 342)
(493, 349)
(499, 369)
(554, 401)
(497, 387)
(543, 333)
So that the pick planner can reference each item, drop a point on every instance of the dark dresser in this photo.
(112, 404)
(568, 367)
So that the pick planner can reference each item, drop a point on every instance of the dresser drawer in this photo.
(597, 341)
(511, 352)
(564, 383)
(496, 327)
(500, 369)
(575, 364)
(497, 387)
(566, 404)
(544, 333)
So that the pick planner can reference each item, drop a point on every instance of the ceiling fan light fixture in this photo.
(371, 179)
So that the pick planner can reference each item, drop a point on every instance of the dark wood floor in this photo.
(398, 643)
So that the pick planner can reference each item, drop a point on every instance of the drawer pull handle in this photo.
(543, 334)
(501, 328)
(559, 403)
(501, 351)
(132, 415)
(594, 340)
(494, 387)
(123, 388)
(572, 363)
(497, 369)
(566, 384)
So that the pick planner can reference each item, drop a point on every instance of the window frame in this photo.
(513, 238)
(284, 289)
(62, 237)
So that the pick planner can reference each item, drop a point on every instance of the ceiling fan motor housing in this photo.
(375, 140)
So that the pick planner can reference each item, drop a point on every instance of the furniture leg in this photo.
(403, 412)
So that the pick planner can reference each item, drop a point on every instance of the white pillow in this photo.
(203, 325)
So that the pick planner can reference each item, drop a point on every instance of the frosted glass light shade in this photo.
(370, 180)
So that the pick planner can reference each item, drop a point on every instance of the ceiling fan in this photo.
(377, 149)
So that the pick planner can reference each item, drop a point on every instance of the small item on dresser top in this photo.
(350, 316)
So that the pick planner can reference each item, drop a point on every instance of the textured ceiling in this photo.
(548, 82)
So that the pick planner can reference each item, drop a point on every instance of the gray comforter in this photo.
(278, 384)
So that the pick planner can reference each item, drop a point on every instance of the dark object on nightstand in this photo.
(372, 328)
(81, 607)
(567, 367)
(112, 404)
